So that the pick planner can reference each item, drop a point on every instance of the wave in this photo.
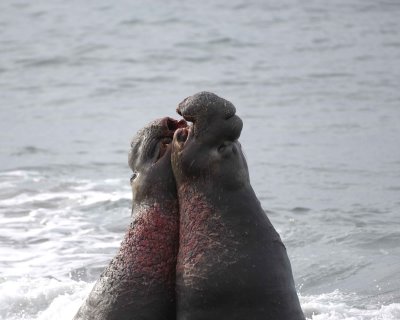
(337, 306)
(50, 298)
(43, 298)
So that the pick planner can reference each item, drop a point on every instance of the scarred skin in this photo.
(139, 282)
(231, 263)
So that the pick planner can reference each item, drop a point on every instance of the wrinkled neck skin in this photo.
(221, 194)
(139, 282)
(161, 190)
(218, 194)
(219, 178)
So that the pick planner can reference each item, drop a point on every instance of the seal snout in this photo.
(213, 117)
(205, 106)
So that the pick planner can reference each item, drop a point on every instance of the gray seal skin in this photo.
(231, 263)
(139, 283)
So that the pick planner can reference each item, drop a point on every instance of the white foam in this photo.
(48, 299)
(65, 306)
(336, 306)
(87, 198)
(19, 173)
(79, 192)
(42, 298)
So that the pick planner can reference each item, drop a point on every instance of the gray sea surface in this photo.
(316, 83)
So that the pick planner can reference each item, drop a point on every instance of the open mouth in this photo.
(169, 126)
(163, 147)
(182, 135)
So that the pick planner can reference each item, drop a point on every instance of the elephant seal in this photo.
(139, 283)
(231, 262)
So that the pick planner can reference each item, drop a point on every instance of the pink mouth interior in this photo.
(171, 126)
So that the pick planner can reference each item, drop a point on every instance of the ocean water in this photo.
(316, 83)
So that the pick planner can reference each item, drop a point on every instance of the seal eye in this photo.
(133, 177)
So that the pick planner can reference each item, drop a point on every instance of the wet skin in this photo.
(231, 263)
(139, 283)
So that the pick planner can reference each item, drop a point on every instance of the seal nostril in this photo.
(224, 145)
